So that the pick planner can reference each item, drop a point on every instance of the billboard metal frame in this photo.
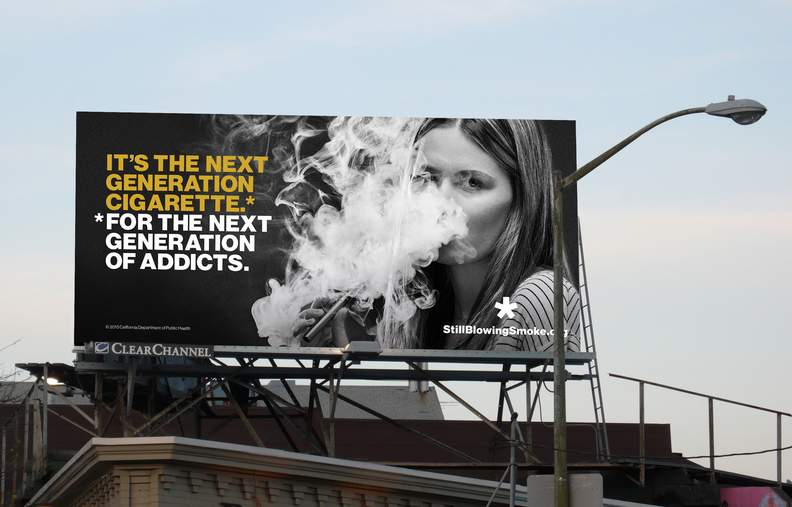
(327, 370)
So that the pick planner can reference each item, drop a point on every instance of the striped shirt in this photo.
(534, 314)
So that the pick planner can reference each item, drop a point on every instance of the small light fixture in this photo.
(743, 111)
(362, 349)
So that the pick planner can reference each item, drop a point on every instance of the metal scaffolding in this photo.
(138, 396)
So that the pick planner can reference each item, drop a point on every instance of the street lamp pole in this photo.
(744, 112)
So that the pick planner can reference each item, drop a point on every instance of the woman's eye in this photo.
(473, 183)
(425, 176)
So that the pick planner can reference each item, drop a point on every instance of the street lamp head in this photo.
(743, 111)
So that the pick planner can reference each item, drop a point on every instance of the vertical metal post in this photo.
(642, 434)
(561, 476)
(44, 420)
(121, 412)
(529, 412)
(513, 461)
(17, 466)
(331, 440)
(334, 398)
(778, 446)
(419, 386)
(27, 437)
(197, 422)
(3, 469)
(37, 457)
(197, 419)
(711, 439)
(423, 385)
(98, 395)
(501, 399)
(130, 384)
(309, 413)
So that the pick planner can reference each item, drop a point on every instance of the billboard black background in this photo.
(215, 305)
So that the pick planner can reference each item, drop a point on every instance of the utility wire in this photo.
(627, 456)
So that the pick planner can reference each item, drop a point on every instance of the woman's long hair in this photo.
(521, 149)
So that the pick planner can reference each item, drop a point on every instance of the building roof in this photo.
(395, 402)
(239, 470)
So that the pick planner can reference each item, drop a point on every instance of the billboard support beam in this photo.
(465, 404)
(528, 437)
(131, 373)
(513, 458)
(313, 400)
(312, 436)
(529, 457)
(326, 365)
(180, 411)
(99, 402)
(113, 415)
(272, 408)
(456, 398)
(273, 402)
(502, 395)
(401, 426)
(223, 424)
(241, 414)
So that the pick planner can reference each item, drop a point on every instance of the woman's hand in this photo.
(309, 317)
(333, 335)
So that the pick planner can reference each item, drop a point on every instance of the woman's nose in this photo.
(446, 188)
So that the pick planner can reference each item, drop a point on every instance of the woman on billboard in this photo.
(492, 288)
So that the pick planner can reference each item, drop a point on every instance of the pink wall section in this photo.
(753, 497)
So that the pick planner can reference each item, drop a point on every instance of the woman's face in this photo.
(468, 175)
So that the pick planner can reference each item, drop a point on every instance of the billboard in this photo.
(308, 231)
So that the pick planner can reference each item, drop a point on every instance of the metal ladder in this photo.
(603, 447)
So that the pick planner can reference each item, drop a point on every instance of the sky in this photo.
(686, 232)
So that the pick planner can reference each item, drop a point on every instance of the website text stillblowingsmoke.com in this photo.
(503, 331)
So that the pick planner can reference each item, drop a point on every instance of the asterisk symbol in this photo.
(250, 199)
(506, 308)
(99, 217)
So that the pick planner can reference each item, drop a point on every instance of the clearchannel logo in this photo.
(151, 349)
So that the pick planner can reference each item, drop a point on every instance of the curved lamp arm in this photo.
(743, 111)
(584, 170)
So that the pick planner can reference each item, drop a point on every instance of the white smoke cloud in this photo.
(389, 226)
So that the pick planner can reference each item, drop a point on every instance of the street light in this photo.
(744, 112)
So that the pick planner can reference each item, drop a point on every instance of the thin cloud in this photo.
(348, 26)
(23, 22)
